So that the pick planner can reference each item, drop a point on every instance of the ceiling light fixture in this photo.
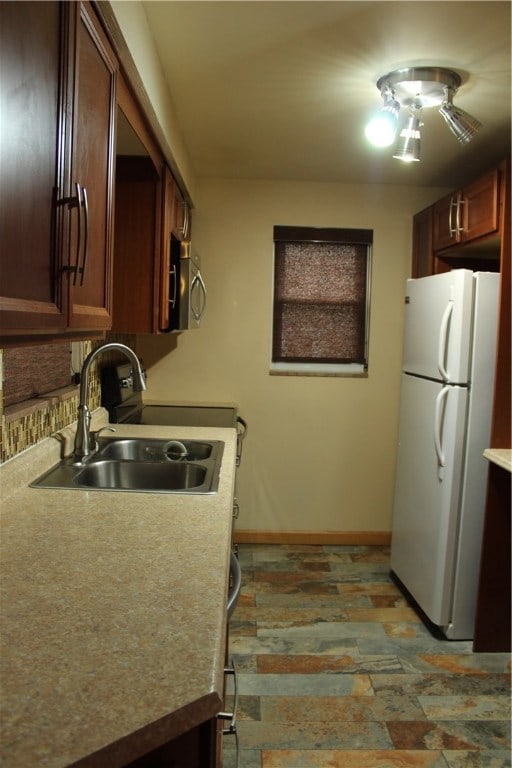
(408, 145)
(462, 125)
(417, 88)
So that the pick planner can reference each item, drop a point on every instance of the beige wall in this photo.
(320, 452)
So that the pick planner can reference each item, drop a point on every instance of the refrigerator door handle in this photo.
(443, 341)
(438, 428)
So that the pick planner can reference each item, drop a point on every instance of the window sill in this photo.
(355, 371)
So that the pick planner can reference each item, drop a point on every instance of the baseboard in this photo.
(365, 538)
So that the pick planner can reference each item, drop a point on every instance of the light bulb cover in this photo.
(463, 125)
(382, 126)
(409, 141)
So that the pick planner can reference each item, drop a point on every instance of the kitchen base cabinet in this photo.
(492, 627)
(194, 749)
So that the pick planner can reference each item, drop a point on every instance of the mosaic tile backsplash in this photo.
(26, 423)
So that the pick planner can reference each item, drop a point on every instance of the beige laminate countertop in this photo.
(113, 612)
(500, 456)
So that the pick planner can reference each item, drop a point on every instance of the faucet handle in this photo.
(95, 436)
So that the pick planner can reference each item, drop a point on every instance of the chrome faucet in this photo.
(84, 445)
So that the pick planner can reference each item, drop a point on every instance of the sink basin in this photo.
(144, 465)
(141, 449)
(142, 476)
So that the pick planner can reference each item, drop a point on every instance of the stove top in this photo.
(126, 406)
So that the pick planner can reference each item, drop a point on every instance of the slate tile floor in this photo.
(336, 670)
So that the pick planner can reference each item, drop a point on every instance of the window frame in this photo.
(323, 235)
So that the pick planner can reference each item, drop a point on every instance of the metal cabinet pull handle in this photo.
(85, 205)
(453, 204)
(74, 202)
(460, 203)
(79, 201)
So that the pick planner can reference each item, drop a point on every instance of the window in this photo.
(321, 300)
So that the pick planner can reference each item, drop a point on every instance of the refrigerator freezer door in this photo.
(438, 326)
(427, 492)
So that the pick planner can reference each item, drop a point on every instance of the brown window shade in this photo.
(320, 296)
(33, 371)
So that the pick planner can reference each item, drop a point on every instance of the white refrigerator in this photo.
(445, 418)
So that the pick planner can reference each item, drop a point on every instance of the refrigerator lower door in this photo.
(437, 333)
(427, 493)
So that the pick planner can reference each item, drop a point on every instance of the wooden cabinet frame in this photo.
(53, 281)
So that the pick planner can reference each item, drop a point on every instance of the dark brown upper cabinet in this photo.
(151, 217)
(463, 229)
(57, 157)
(468, 213)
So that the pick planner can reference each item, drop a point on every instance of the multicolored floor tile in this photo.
(336, 669)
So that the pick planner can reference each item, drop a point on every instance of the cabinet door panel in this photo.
(481, 209)
(445, 222)
(92, 168)
(422, 252)
(30, 56)
(137, 221)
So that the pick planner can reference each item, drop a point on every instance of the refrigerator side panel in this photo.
(425, 515)
(481, 391)
(437, 326)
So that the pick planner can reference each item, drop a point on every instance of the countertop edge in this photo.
(154, 735)
(502, 457)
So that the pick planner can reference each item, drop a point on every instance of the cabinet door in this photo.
(31, 38)
(422, 252)
(481, 207)
(90, 245)
(137, 223)
(446, 222)
(469, 214)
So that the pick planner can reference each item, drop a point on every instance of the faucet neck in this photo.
(82, 438)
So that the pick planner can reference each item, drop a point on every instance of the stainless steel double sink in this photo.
(143, 465)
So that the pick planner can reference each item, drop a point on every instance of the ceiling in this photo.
(267, 89)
